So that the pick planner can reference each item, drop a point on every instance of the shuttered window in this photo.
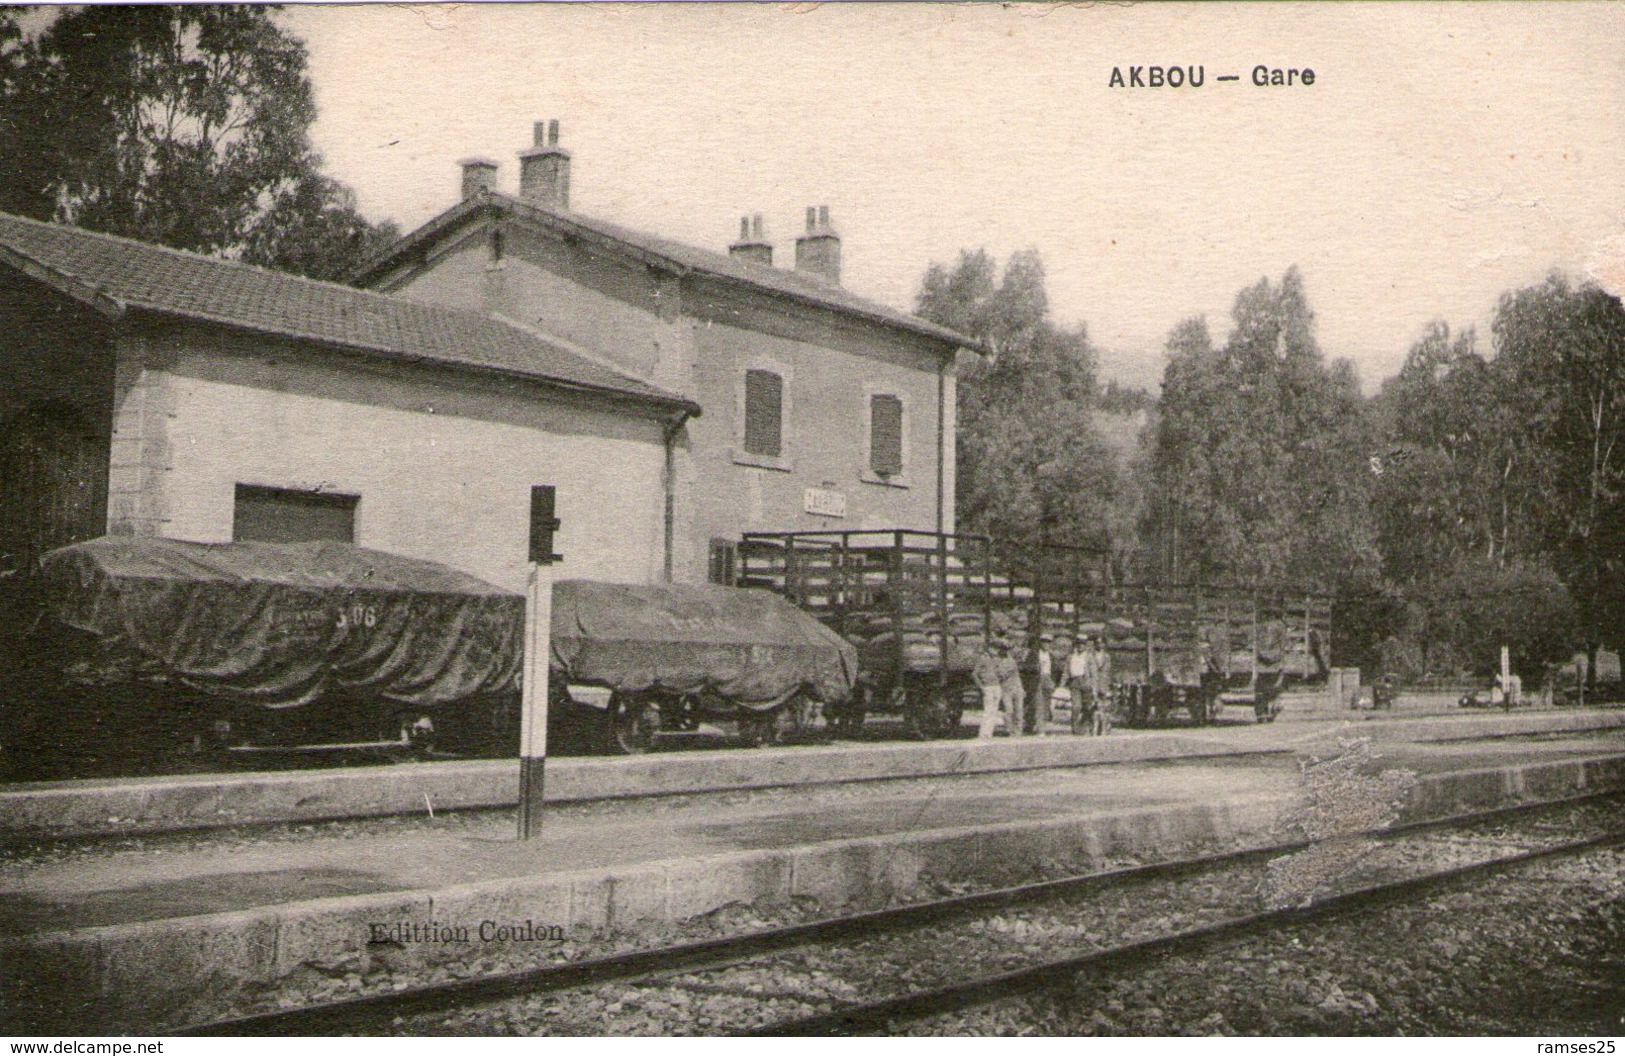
(886, 435)
(764, 413)
(724, 562)
(280, 515)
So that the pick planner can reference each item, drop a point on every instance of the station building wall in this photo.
(697, 338)
(613, 308)
(830, 372)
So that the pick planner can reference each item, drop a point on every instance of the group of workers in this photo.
(1085, 665)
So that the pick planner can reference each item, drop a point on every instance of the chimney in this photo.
(818, 249)
(751, 245)
(544, 170)
(479, 176)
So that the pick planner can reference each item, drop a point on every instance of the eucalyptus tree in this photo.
(185, 125)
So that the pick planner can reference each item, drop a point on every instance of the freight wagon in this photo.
(919, 607)
(1188, 649)
(132, 654)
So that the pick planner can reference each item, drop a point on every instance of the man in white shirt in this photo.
(1046, 684)
(1078, 682)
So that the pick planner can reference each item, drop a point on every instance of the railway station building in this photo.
(674, 397)
(823, 410)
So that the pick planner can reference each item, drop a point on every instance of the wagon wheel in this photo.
(760, 729)
(847, 716)
(934, 711)
(1139, 707)
(417, 736)
(634, 725)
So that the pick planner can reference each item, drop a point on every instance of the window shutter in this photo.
(724, 562)
(886, 435)
(764, 401)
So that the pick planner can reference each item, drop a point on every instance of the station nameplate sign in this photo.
(824, 503)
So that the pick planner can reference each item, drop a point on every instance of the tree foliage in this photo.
(1452, 473)
(312, 227)
(1258, 457)
(1032, 469)
(1461, 621)
(1477, 500)
(1562, 350)
(1502, 480)
(183, 125)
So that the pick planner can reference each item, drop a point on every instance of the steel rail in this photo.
(876, 1016)
(356, 1013)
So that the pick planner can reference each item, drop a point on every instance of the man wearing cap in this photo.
(1015, 691)
(1100, 686)
(1000, 681)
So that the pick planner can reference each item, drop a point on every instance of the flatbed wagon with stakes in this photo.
(918, 606)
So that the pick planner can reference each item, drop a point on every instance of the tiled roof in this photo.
(122, 274)
(781, 281)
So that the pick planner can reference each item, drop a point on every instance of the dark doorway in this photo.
(53, 483)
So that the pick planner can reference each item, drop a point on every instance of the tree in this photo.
(1456, 463)
(312, 228)
(1480, 606)
(15, 145)
(1031, 468)
(1562, 348)
(1116, 398)
(1259, 461)
(183, 125)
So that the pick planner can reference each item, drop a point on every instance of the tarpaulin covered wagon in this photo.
(255, 646)
(134, 646)
(671, 656)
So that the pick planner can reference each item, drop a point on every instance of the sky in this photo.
(1443, 155)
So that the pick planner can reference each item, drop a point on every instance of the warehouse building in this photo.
(146, 391)
(822, 410)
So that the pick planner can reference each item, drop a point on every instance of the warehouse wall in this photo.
(442, 462)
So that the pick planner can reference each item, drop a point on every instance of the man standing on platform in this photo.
(1000, 681)
(1077, 682)
(1100, 687)
(1046, 684)
(1016, 712)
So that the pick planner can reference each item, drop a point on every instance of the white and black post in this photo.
(538, 649)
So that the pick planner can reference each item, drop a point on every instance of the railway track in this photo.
(872, 971)
(877, 1016)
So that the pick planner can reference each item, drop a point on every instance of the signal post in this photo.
(538, 649)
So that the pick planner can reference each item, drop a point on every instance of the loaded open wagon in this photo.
(138, 645)
(667, 657)
(918, 606)
(1187, 649)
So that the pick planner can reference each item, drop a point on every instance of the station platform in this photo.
(44, 810)
(155, 932)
